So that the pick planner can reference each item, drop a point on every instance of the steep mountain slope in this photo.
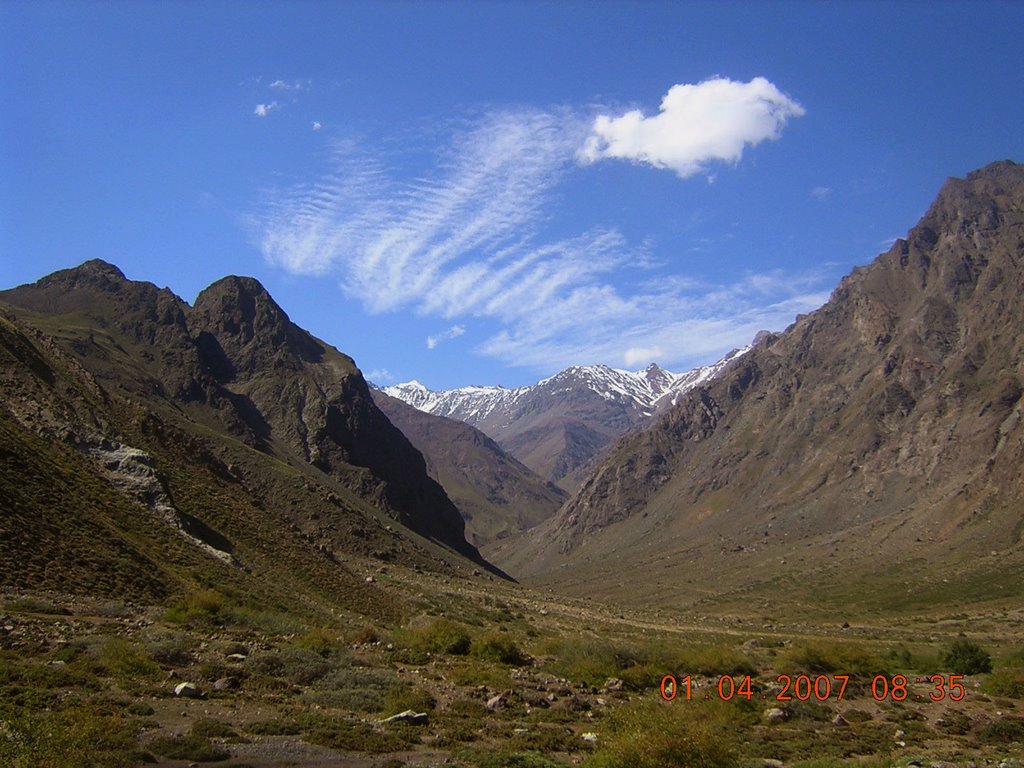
(555, 427)
(883, 429)
(236, 429)
(496, 494)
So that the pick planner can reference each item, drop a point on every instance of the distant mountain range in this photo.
(556, 426)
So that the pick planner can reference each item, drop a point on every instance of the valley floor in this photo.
(501, 676)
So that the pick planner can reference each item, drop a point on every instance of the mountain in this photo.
(496, 494)
(878, 440)
(555, 427)
(254, 446)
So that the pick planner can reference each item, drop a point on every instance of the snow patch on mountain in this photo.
(651, 390)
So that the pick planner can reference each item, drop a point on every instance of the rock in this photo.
(900, 733)
(613, 684)
(187, 691)
(590, 737)
(839, 720)
(499, 701)
(225, 684)
(416, 718)
(770, 762)
(774, 715)
(237, 657)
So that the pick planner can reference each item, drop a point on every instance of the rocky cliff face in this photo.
(235, 362)
(888, 419)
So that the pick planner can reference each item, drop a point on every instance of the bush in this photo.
(74, 738)
(500, 759)
(436, 636)
(655, 736)
(191, 747)
(966, 657)
(1005, 731)
(207, 727)
(126, 660)
(403, 697)
(358, 689)
(500, 648)
(296, 665)
(822, 658)
(319, 641)
(1005, 682)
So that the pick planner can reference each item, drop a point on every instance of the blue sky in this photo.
(485, 193)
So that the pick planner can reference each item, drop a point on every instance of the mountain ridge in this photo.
(562, 422)
(886, 422)
(235, 368)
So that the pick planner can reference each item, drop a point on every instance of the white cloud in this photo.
(464, 240)
(262, 110)
(820, 193)
(712, 120)
(452, 333)
(297, 85)
(381, 376)
(636, 355)
(317, 125)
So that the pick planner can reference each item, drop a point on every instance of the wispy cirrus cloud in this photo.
(466, 239)
(712, 120)
(452, 333)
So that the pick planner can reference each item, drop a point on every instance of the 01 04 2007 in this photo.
(818, 687)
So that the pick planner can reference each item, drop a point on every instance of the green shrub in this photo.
(202, 608)
(207, 727)
(296, 665)
(502, 759)
(1004, 731)
(74, 738)
(823, 657)
(654, 736)
(359, 689)
(403, 697)
(966, 657)
(351, 735)
(501, 648)
(594, 660)
(126, 660)
(320, 641)
(436, 635)
(1005, 682)
(173, 650)
(273, 728)
(190, 747)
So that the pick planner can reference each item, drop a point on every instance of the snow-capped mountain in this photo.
(558, 424)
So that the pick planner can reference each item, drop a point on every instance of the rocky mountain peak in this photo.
(250, 329)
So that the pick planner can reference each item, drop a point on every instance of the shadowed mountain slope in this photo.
(496, 494)
(880, 430)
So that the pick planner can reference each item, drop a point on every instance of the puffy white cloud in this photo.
(317, 125)
(712, 120)
(262, 110)
(452, 333)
